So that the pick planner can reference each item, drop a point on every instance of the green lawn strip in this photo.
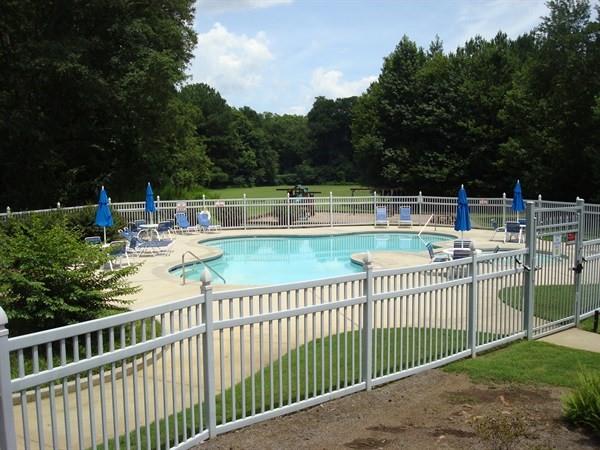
(416, 346)
(588, 324)
(550, 302)
(529, 362)
(338, 190)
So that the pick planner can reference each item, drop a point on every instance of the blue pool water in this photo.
(275, 260)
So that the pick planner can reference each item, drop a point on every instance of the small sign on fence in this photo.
(181, 207)
(556, 243)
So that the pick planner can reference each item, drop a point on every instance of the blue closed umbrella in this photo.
(463, 221)
(517, 204)
(150, 208)
(103, 215)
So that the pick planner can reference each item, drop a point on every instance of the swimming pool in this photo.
(283, 259)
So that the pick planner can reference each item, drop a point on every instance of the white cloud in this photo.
(330, 83)
(220, 6)
(231, 63)
(513, 17)
(298, 110)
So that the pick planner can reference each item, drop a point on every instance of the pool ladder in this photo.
(203, 263)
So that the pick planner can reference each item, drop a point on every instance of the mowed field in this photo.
(338, 190)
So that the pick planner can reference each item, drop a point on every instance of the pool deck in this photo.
(158, 286)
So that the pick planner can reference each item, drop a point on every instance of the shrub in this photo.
(49, 277)
(582, 406)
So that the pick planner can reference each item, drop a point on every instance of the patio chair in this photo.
(93, 240)
(165, 228)
(496, 228)
(205, 224)
(405, 217)
(183, 224)
(437, 257)
(139, 247)
(513, 229)
(381, 217)
(464, 243)
(117, 251)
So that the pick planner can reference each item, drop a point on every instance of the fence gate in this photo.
(557, 267)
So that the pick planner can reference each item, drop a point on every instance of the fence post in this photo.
(539, 201)
(208, 355)
(504, 209)
(529, 265)
(245, 211)
(579, 256)
(419, 202)
(8, 210)
(330, 209)
(8, 438)
(367, 341)
(374, 208)
(158, 212)
(472, 327)
(289, 217)
(204, 202)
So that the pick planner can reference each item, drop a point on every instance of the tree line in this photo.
(94, 94)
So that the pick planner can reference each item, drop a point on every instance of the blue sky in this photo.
(277, 55)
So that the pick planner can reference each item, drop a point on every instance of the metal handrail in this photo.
(423, 227)
(199, 260)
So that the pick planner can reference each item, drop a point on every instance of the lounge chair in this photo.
(437, 257)
(381, 217)
(93, 240)
(405, 217)
(496, 228)
(183, 224)
(139, 247)
(513, 229)
(165, 228)
(204, 222)
(117, 251)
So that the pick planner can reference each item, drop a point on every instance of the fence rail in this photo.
(173, 375)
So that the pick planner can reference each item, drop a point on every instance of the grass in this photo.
(588, 324)
(529, 362)
(582, 406)
(339, 190)
(550, 302)
(299, 375)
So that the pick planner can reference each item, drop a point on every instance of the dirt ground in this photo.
(426, 411)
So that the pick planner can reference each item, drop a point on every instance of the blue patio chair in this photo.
(513, 229)
(405, 217)
(204, 222)
(183, 224)
(138, 247)
(381, 217)
(165, 228)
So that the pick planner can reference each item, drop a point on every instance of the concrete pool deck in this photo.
(158, 286)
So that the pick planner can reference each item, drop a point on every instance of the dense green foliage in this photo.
(49, 277)
(582, 406)
(93, 92)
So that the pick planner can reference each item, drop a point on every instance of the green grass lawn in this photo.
(550, 302)
(588, 324)
(529, 362)
(338, 190)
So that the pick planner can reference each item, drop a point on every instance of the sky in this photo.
(278, 55)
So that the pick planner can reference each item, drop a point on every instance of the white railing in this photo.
(173, 375)
(246, 213)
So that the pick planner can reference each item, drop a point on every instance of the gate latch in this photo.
(526, 268)
(579, 267)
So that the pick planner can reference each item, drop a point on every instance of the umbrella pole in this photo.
(104, 235)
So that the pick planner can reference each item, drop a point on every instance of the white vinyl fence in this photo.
(173, 375)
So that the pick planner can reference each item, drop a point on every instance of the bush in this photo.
(49, 277)
(582, 406)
